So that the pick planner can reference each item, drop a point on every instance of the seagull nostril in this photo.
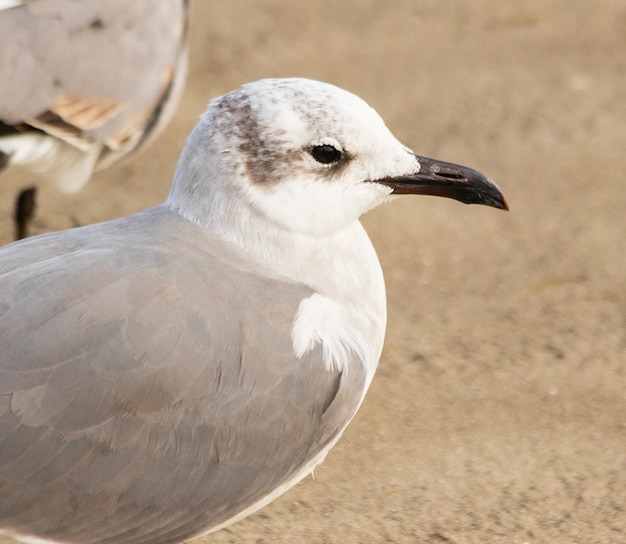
(447, 174)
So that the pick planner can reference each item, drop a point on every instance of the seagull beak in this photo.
(449, 180)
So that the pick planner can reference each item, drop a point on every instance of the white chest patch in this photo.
(321, 320)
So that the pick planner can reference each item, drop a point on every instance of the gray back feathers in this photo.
(143, 400)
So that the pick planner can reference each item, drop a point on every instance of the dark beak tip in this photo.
(449, 180)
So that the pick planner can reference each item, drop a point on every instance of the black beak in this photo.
(449, 180)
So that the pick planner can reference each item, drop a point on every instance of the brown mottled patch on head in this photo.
(317, 110)
(268, 157)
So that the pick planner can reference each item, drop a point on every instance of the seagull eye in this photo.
(325, 154)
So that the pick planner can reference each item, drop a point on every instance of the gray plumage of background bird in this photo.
(85, 83)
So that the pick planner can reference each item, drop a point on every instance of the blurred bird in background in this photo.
(84, 83)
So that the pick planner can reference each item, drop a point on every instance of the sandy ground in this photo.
(499, 410)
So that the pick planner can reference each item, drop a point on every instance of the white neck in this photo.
(335, 265)
(348, 310)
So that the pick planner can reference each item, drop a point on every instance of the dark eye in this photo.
(326, 154)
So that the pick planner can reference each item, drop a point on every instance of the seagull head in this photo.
(307, 157)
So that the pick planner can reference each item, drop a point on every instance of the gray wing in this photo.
(95, 75)
(149, 391)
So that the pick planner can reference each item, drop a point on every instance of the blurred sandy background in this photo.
(499, 410)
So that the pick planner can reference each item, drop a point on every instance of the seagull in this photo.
(83, 84)
(165, 374)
